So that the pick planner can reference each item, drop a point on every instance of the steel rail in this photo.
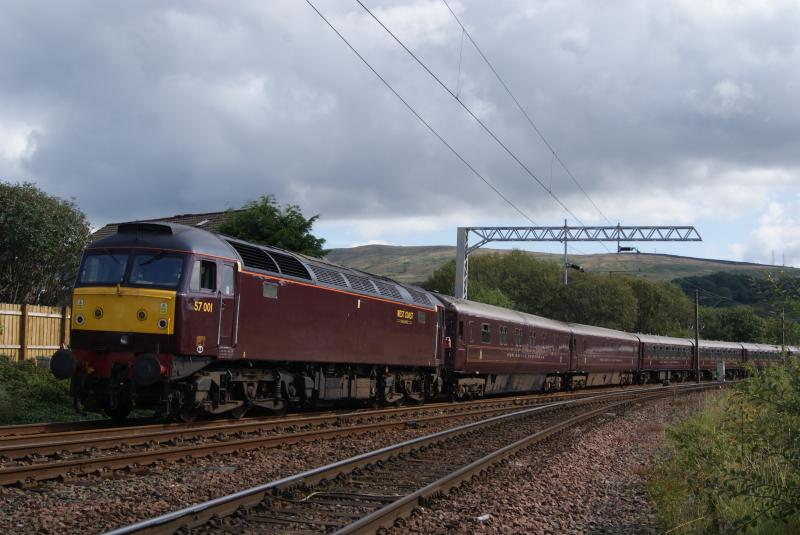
(18, 433)
(386, 516)
(201, 513)
(219, 434)
(13, 431)
(24, 474)
(134, 425)
(19, 446)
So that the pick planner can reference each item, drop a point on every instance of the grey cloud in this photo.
(148, 108)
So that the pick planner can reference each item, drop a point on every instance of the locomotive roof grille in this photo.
(419, 297)
(388, 290)
(328, 276)
(254, 257)
(289, 265)
(361, 284)
(144, 228)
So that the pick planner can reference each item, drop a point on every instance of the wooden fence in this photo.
(29, 331)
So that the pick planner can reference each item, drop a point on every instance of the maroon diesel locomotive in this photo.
(185, 322)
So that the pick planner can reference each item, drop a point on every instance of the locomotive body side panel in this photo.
(286, 320)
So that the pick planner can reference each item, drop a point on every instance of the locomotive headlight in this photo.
(162, 323)
(124, 339)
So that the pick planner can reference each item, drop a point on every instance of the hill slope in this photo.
(414, 264)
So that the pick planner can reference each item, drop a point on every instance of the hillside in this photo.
(414, 264)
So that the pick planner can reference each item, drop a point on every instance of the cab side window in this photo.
(204, 276)
(227, 279)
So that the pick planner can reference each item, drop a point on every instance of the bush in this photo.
(736, 466)
(29, 393)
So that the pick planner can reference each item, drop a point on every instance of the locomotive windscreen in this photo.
(156, 270)
(103, 268)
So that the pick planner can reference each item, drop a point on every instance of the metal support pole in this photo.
(462, 263)
(566, 260)
(783, 330)
(697, 334)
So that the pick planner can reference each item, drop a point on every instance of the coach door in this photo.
(227, 310)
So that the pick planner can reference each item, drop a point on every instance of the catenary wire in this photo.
(472, 114)
(523, 111)
(418, 116)
(479, 121)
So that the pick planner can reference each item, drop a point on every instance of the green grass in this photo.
(735, 467)
(29, 394)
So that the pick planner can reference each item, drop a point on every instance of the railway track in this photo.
(372, 490)
(26, 459)
(88, 426)
(61, 427)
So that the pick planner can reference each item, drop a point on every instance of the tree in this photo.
(597, 300)
(736, 324)
(264, 221)
(663, 308)
(41, 241)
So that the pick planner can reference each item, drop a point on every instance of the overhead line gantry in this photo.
(563, 234)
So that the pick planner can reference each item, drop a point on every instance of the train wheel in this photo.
(120, 412)
(414, 399)
(188, 414)
(237, 413)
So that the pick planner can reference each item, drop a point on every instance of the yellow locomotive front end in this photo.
(123, 327)
(123, 309)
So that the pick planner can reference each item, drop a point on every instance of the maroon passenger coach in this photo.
(496, 350)
(664, 358)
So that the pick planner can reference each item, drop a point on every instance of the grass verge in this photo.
(29, 394)
(735, 466)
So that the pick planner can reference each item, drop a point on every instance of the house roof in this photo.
(209, 221)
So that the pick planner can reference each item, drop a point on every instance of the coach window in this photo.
(204, 276)
(503, 335)
(461, 330)
(584, 345)
(269, 290)
(519, 337)
(532, 341)
(486, 333)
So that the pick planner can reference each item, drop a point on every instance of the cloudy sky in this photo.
(666, 112)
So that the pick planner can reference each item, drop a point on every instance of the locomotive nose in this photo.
(62, 364)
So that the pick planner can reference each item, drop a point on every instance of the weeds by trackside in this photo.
(735, 466)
